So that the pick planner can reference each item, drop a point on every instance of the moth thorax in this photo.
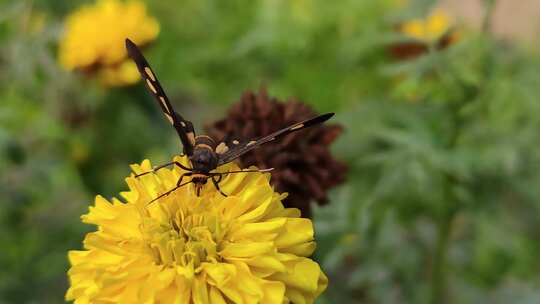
(202, 141)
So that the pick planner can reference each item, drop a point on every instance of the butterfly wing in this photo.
(229, 152)
(183, 127)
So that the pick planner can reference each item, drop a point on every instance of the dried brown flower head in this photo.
(304, 166)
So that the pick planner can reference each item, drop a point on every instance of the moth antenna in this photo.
(243, 171)
(169, 192)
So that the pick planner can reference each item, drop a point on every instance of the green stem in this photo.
(488, 15)
(451, 206)
(446, 218)
(438, 288)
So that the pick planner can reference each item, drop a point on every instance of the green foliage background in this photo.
(442, 202)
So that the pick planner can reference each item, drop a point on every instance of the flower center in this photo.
(185, 240)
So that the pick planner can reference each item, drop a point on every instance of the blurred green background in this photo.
(442, 200)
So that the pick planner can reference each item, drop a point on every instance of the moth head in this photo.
(203, 160)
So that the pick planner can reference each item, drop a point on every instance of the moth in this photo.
(203, 152)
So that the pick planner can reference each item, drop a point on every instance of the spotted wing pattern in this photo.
(183, 127)
(230, 151)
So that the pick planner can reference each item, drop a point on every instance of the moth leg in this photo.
(220, 177)
(163, 166)
(216, 184)
(182, 166)
(179, 182)
(178, 185)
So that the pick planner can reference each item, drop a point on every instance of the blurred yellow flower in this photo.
(121, 74)
(430, 29)
(244, 248)
(94, 39)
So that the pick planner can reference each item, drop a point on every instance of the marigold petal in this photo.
(232, 207)
(200, 291)
(296, 231)
(257, 213)
(253, 231)
(243, 250)
(269, 263)
(274, 292)
(303, 249)
(216, 297)
(303, 277)
(219, 273)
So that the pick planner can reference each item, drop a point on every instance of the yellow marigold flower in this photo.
(244, 248)
(125, 73)
(430, 29)
(94, 39)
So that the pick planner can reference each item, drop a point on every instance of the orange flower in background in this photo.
(94, 36)
(437, 30)
(430, 29)
(184, 248)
